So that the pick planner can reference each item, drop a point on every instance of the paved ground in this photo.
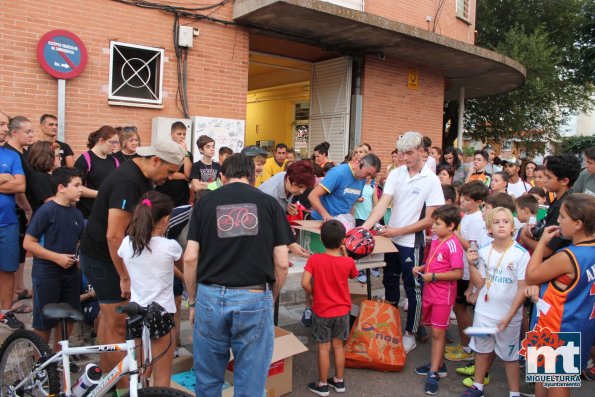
(359, 382)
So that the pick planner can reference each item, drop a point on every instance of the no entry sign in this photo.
(62, 54)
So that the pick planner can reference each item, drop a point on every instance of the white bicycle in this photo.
(28, 368)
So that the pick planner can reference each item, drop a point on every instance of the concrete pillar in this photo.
(461, 117)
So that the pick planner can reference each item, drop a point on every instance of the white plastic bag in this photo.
(347, 220)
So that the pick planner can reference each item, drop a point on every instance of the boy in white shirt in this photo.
(499, 271)
(473, 195)
(492, 201)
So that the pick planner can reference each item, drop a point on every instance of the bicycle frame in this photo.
(127, 365)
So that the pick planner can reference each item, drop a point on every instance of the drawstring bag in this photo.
(376, 340)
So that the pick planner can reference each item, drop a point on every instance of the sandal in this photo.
(24, 294)
(22, 309)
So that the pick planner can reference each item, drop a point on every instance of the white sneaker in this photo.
(409, 342)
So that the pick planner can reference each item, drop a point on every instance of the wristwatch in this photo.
(433, 277)
(191, 304)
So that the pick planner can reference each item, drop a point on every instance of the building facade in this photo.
(359, 71)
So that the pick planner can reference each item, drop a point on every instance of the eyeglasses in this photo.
(114, 143)
(129, 129)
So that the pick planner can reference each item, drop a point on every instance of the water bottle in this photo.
(474, 247)
(88, 380)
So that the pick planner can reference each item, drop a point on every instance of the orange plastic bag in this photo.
(376, 340)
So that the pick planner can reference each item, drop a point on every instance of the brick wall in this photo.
(414, 12)
(217, 77)
(390, 108)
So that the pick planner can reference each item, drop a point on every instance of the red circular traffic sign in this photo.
(62, 54)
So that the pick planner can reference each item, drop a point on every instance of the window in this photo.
(136, 74)
(302, 111)
(463, 9)
(353, 4)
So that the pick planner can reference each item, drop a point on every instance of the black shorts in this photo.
(462, 286)
(327, 328)
(103, 277)
(54, 289)
(178, 287)
(90, 310)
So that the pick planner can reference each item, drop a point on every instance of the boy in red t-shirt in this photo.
(440, 274)
(331, 304)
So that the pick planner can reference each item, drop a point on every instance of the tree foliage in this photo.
(553, 39)
(576, 144)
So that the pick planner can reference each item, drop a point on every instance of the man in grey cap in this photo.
(112, 211)
(516, 186)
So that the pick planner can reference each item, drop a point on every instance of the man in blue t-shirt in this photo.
(337, 194)
(12, 181)
(341, 187)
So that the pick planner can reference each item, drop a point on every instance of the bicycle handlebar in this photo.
(131, 309)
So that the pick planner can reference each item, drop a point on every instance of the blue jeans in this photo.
(237, 319)
(400, 264)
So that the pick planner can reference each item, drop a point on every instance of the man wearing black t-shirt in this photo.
(237, 253)
(48, 124)
(112, 212)
(178, 187)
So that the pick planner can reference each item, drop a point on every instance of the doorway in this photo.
(298, 95)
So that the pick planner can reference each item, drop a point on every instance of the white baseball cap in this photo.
(165, 149)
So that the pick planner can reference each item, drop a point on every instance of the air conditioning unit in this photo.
(161, 129)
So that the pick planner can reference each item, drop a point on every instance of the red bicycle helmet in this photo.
(359, 242)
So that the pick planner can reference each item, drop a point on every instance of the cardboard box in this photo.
(356, 289)
(227, 389)
(181, 364)
(309, 238)
(280, 377)
(182, 371)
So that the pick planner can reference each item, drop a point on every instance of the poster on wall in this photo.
(225, 132)
(267, 145)
(301, 138)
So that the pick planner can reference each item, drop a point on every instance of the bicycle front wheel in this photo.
(21, 353)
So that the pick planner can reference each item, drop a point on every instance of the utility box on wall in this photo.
(161, 129)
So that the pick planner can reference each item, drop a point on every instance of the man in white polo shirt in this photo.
(415, 192)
